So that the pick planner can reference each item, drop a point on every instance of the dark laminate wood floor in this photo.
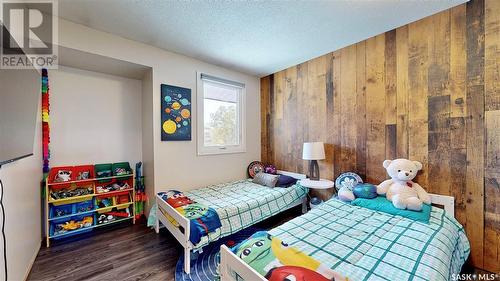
(126, 252)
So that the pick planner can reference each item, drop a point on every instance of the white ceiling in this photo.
(255, 37)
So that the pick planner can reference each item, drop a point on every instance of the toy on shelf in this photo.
(67, 193)
(83, 175)
(104, 174)
(112, 216)
(62, 212)
(84, 206)
(121, 169)
(63, 176)
(121, 172)
(73, 225)
(120, 214)
(104, 202)
(112, 187)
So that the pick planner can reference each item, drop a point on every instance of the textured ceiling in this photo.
(255, 37)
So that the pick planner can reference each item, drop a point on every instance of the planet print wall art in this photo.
(175, 113)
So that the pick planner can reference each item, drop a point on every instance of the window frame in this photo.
(200, 100)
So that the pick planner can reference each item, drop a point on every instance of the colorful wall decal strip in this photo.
(45, 122)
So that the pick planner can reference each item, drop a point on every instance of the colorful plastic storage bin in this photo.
(84, 172)
(83, 206)
(55, 229)
(125, 166)
(103, 170)
(55, 171)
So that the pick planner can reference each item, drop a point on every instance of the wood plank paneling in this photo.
(265, 116)
(475, 129)
(418, 64)
(492, 192)
(336, 64)
(375, 108)
(302, 86)
(457, 61)
(492, 125)
(428, 91)
(458, 145)
(348, 109)
(331, 133)
(361, 109)
(390, 79)
(492, 55)
(402, 94)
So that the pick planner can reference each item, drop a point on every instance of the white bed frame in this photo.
(183, 236)
(231, 264)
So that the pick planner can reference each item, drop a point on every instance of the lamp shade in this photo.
(313, 151)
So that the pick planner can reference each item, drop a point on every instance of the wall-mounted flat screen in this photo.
(19, 99)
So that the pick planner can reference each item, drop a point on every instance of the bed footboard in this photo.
(231, 266)
(181, 236)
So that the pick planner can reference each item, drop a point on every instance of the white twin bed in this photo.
(239, 204)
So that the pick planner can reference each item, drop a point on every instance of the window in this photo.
(221, 119)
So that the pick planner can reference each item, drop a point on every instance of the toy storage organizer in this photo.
(82, 198)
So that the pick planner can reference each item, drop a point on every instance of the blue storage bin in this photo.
(71, 209)
(84, 206)
(54, 233)
(61, 210)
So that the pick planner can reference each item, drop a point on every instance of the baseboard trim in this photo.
(32, 261)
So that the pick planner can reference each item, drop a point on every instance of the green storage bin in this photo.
(103, 170)
(122, 165)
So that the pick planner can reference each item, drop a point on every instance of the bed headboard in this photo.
(292, 174)
(444, 201)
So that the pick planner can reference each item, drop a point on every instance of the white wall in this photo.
(22, 201)
(95, 118)
(176, 164)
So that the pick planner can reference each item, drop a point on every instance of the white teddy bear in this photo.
(400, 189)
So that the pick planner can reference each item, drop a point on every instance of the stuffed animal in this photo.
(345, 194)
(62, 176)
(400, 189)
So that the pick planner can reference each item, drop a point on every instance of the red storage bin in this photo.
(84, 170)
(53, 173)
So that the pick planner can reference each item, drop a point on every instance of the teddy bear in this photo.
(400, 189)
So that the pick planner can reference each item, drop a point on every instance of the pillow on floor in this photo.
(381, 204)
(265, 179)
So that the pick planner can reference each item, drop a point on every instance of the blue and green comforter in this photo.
(202, 219)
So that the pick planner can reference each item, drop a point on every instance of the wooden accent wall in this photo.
(428, 91)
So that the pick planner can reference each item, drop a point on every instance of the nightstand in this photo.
(323, 189)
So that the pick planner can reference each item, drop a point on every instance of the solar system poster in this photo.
(175, 113)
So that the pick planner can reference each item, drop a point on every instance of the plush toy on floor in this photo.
(400, 189)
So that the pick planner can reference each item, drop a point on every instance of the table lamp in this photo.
(313, 151)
